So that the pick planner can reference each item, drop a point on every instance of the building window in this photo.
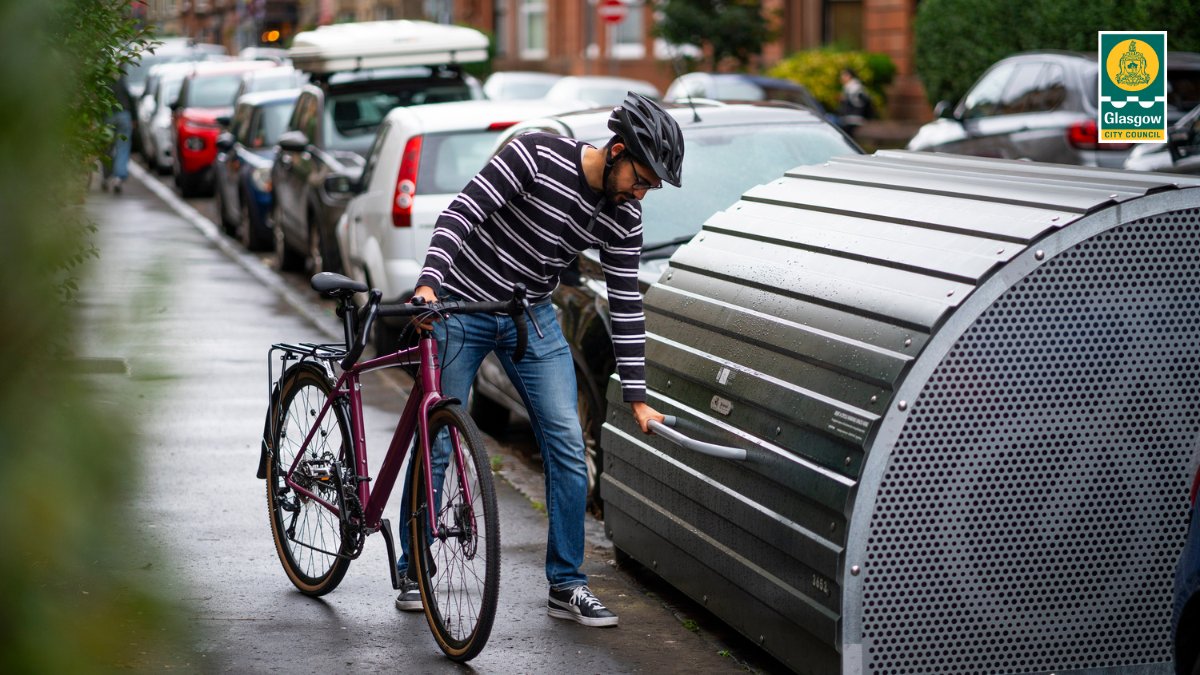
(532, 29)
(500, 27)
(629, 41)
(844, 23)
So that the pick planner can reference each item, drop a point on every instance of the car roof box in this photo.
(385, 44)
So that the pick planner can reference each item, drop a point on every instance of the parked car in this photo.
(172, 50)
(1042, 106)
(359, 73)
(206, 95)
(522, 85)
(242, 171)
(156, 127)
(422, 158)
(1185, 619)
(730, 148)
(599, 90)
(276, 54)
(740, 87)
(270, 79)
(1180, 154)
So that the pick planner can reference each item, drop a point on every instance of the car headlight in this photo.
(261, 178)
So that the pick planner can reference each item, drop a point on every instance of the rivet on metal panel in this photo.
(907, 342)
(700, 238)
(668, 383)
(654, 564)
(1000, 252)
(1113, 196)
(669, 275)
(1039, 254)
(849, 459)
(778, 431)
(761, 639)
(874, 399)
(949, 293)
(854, 570)
(903, 405)
(706, 599)
(1054, 219)
(832, 526)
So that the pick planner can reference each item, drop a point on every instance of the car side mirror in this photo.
(225, 141)
(224, 121)
(1178, 142)
(944, 110)
(341, 185)
(293, 141)
(176, 105)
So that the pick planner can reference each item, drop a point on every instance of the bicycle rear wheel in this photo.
(309, 537)
(458, 566)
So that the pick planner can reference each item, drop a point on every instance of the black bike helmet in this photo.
(650, 135)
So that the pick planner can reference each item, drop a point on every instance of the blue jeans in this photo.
(545, 378)
(122, 124)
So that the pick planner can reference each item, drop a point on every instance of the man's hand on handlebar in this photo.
(425, 293)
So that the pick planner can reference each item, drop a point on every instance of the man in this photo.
(524, 218)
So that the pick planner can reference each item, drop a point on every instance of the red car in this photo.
(206, 96)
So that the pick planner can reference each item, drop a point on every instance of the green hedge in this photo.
(819, 69)
(956, 40)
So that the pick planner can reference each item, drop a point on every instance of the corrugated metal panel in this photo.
(785, 328)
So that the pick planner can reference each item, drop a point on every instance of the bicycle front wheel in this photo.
(309, 536)
(458, 565)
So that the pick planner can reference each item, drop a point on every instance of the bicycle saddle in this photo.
(331, 285)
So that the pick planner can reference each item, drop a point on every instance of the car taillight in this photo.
(1085, 136)
(406, 183)
(500, 126)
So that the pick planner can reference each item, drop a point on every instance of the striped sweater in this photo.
(524, 218)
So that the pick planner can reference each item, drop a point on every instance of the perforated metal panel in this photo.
(1030, 515)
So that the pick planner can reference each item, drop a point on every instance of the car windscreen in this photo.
(1183, 89)
(352, 117)
(272, 122)
(449, 161)
(720, 163)
(214, 91)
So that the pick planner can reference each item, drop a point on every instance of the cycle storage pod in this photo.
(967, 392)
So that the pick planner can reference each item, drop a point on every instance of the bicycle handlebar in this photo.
(516, 308)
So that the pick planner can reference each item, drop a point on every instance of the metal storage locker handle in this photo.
(721, 451)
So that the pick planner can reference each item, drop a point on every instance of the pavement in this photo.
(178, 320)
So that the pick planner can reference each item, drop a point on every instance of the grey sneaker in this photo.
(580, 604)
(409, 599)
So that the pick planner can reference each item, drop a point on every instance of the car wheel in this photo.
(227, 224)
(316, 255)
(286, 259)
(591, 417)
(254, 236)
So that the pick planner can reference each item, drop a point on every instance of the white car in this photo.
(422, 158)
(154, 114)
(518, 85)
(599, 90)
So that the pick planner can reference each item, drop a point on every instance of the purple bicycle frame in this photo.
(425, 396)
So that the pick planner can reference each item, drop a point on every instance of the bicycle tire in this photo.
(309, 538)
(458, 572)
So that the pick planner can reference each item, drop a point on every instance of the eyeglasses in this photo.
(640, 183)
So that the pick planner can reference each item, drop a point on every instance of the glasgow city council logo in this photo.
(1133, 87)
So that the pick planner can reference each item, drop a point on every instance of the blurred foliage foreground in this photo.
(71, 598)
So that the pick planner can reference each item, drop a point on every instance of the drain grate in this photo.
(1034, 506)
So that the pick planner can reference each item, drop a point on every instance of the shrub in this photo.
(818, 70)
(956, 40)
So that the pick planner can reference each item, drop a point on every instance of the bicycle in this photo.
(321, 498)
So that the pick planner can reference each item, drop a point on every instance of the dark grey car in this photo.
(330, 132)
(1180, 154)
(729, 148)
(1042, 106)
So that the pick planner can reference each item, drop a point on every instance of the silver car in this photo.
(1042, 106)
